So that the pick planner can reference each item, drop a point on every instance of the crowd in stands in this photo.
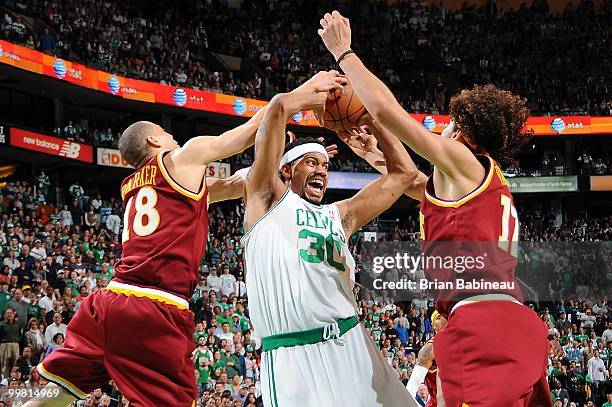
(82, 132)
(54, 256)
(425, 53)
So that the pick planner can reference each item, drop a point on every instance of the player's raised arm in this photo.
(263, 184)
(452, 157)
(365, 146)
(380, 194)
(203, 150)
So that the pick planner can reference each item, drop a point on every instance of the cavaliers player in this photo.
(425, 371)
(481, 360)
(139, 330)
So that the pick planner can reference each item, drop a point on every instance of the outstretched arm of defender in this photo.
(206, 149)
(203, 150)
(452, 157)
(365, 146)
(379, 195)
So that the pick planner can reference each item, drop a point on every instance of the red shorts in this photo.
(493, 353)
(143, 344)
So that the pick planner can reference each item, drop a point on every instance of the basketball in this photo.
(342, 110)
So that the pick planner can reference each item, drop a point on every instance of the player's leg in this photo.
(149, 352)
(481, 363)
(51, 396)
(377, 383)
(78, 367)
(297, 376)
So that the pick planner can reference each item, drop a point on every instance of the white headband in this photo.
(297, 152)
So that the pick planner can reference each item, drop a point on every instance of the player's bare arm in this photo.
(188, 163)
(365, 145)
(224, 189)
(453, 159)
(380, 194)
(263, 184)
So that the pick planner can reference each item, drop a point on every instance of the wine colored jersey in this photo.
(482, 223)
(165, 228)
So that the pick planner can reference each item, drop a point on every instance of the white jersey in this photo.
(299, 270)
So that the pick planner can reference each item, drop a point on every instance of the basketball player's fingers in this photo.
(344, 136)
(328, 17)
(323, 23)
(320, 31)
(342, 80)
(346, 22)
(332, 150)
(336, 15)
(291, 136)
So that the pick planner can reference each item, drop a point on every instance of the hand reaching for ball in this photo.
(362, 142)
(336, 33)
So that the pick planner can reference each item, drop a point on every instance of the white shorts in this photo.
(328, 374)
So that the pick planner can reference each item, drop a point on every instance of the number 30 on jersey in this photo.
(146, 218)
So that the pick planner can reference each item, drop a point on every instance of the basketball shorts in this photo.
(141, 338)
(493, 353)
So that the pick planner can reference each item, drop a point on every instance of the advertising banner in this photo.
(601, 183)
(111, 157)
(43, 143)
(543, 184)
(80, 75)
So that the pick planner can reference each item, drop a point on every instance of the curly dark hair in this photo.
(493, 119)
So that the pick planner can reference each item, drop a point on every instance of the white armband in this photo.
(416, 379)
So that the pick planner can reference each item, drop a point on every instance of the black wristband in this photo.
(344, 55)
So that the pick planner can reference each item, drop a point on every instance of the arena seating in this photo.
(72, 249)
(425, 53)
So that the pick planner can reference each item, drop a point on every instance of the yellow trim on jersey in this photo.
(464, 405)
(471, 195)
(175, 185)
(150, 293)
(63, 382)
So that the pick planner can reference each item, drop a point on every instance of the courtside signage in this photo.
(43, 143)
(543, 184)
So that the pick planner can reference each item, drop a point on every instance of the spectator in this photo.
(20, 308)
(58, 342)
(113, 223)
(46, 42)
(56, 327)
(10, 333)
(35, 339)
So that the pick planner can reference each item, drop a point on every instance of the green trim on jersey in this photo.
(266, 214)
(275, 400)
(309, 337)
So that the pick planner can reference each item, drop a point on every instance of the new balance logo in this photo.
(70, 150)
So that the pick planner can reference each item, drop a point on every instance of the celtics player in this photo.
(300, 270)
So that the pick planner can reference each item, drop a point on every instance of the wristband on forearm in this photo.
(344, 55)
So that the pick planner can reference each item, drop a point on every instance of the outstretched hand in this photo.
(323, 81)
(362, 142)
(336, 33)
